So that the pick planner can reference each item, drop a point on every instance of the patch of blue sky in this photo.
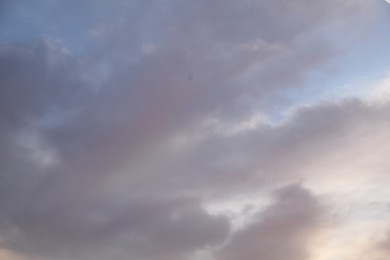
(350, 76)
(25, 21)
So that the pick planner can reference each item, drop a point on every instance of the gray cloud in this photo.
(36, 81)
(86, 171)
(65, 228)
(281, 232)
(302, 147)
(153, 96)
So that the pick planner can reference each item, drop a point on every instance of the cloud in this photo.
(318, 143)
(282, 231)
(65, 228)
(111, 150)
(36, 81)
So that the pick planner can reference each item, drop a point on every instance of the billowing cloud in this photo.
(282, 231)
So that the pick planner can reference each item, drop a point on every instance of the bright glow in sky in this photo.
(194, 130)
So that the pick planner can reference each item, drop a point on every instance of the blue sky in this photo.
(194, 130)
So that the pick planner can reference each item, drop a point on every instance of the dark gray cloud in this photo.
(66, 228)
(36, 81)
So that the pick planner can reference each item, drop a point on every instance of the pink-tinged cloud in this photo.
(121, 122)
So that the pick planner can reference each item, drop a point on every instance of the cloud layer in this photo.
(146, 129)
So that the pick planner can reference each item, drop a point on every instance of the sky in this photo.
(194, 130)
